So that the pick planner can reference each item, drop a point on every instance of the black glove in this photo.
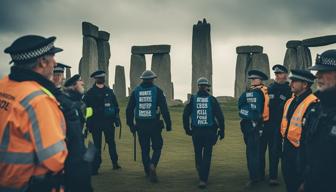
(169, 128)
(221, 134)
(188, 132)
(117, 122)
(132, 128)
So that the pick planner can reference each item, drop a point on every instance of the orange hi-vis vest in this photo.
(295, 124)
(32, 134)
(264, 90)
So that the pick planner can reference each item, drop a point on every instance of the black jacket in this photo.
(278, 94)
(77, 175)
(321, 144)
(216, 111)
(95, 98)
(162, 104)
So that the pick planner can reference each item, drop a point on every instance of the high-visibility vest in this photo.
(265, 114)
(32, 133)
(295, 124)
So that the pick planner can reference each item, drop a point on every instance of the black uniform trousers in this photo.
(271, 140)
(109, 130)
(150, 136)
(252, 141)
(290, 167)
(203, 141)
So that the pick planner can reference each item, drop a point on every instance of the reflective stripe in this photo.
(32, 117)
(17, 157)
(30, 158)
(5, 138)
(88, 112)
(50, 151)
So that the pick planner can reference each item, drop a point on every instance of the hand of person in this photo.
(188, 132)
(221, 134)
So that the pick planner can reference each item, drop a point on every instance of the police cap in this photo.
(325, 62)
(72, 80)
(27, 48)
(255, 74)
(279, 69)
(60, 67)
(98, 74)
(302, 75)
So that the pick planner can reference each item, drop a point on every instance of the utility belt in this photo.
(143, 123)
(46, 183)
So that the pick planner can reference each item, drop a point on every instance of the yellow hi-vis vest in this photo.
(295, 124)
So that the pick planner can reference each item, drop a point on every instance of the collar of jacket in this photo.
(75, 95)
(146, 84)
(327, 97)
(18, 74)
(303, 95)
(202, 93)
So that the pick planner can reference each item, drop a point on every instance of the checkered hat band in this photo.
(301, 78)
(32, 54)
(328, 61)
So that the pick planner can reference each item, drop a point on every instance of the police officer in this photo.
(58, 77)
(77, 166)
(105, 115)
(145, 105)
(279, 92)
(254, 111)
(206, 117)
(32, 127)
(292, 127)
(321, 133)
(74, 88)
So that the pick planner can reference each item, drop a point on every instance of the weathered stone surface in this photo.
(161, 66)
(293, 43)
(304, 58)
(89, 61)
(151, 49)
(242, 64)
(88, 29)
(104, 55)
(103, 35)
(201, 54)
(290, 61)
(119, 82)
(249, 49)
(138, 65)
(319, 41)
(260, 62)
(67, 73)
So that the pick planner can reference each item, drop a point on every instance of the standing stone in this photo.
(243, 61)
(201, 54)
(89, 61)
(104, 53)
(290, 61)
(260, 62)
(138, 65)
(119, 82)
(304, 58)
(67, 73)
(161, 66)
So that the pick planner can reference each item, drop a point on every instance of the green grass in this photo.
(176, 170)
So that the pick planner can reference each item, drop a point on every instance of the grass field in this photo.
(176, 170)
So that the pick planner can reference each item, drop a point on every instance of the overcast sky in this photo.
(141, 22)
